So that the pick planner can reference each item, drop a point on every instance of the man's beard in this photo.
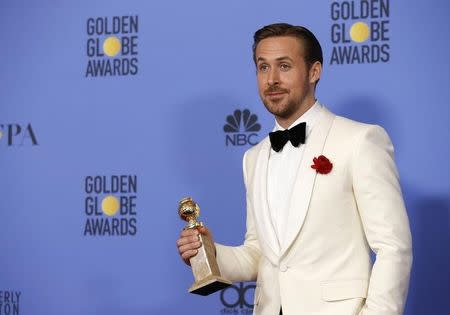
(282, 110)
(287, 109)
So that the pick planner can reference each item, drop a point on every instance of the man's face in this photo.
(283, 76)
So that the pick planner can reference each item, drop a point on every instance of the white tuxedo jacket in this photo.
(335, 220)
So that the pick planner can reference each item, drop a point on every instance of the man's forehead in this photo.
(278, 47)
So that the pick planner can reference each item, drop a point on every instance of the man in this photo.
(321, 195)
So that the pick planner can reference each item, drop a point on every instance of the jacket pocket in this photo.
(344, 289)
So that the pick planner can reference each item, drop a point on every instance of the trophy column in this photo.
(204, 265)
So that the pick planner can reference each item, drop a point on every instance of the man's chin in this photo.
(275, 108)
(280, 113)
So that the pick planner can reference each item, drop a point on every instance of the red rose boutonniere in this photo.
(322, 165)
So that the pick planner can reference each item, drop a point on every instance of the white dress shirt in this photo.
(282, 173)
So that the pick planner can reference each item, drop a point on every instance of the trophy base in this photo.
(209, 285)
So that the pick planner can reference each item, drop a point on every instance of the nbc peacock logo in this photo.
(241, 128)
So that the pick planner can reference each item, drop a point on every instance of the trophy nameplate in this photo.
(204, 265)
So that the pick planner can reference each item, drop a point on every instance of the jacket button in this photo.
(283, 267)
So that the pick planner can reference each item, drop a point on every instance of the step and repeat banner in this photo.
(112, 111)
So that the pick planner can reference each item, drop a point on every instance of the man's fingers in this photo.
(189, 242)
(187, 239)
(205, 231)
(188, 247)
(188, 254)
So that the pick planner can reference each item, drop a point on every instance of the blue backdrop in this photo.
(112, 111)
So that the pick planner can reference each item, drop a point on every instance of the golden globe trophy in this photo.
(204, 265)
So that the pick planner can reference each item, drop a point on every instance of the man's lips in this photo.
(275, 93)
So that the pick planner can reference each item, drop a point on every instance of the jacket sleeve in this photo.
(385, 221)
(240, 263)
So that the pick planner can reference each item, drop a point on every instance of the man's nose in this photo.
(273, 78)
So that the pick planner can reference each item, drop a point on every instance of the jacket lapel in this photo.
(304, 183)
(262, 216)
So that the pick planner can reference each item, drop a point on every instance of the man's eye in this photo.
(285, 66)
(263, 68)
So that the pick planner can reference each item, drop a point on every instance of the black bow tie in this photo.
(296, 135)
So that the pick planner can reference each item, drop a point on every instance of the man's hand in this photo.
(188, 243)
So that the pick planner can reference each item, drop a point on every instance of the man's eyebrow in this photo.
(284, 58)
(277, 59)
(260, 59)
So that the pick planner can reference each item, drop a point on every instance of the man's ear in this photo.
(315, 71)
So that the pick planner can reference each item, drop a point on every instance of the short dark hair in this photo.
(312, 49)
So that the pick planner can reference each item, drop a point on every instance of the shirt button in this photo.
(283, 267)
